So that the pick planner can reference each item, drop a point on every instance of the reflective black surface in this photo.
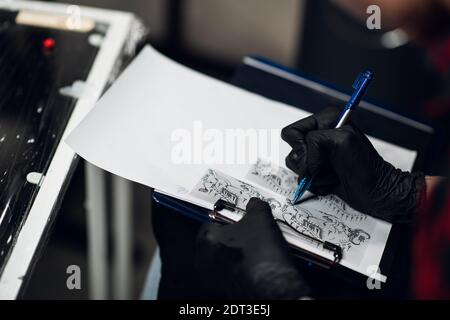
(33, 114)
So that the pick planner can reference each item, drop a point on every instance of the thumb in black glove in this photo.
(344, 162)
(251, 257)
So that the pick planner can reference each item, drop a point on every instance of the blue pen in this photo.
(361, 84)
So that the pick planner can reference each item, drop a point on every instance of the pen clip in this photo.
(359, 81)
(362, 78)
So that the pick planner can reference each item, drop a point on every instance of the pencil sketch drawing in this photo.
(272, 177)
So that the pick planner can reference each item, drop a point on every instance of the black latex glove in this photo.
(251, 257)
(344, 162)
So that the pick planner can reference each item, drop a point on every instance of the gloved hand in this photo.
(344, 162)
(251, 257)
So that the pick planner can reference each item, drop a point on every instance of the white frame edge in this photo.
(29, 237)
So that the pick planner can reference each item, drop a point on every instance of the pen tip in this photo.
(305, 196)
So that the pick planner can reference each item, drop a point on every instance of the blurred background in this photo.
(213, 36)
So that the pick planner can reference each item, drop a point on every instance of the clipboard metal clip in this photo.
(337, 251)
(221, 204)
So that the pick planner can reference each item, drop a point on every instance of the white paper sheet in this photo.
(136, 128)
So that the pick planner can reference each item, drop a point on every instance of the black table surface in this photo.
(33, 114)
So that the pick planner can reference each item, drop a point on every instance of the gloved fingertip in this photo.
(295, 156)
(257, 205)
(208, 233)
(289, 134)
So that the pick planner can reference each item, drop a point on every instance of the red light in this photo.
(49, 44)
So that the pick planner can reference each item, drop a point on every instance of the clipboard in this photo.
(307, 258)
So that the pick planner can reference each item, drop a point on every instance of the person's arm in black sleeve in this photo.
(344, 162)
(250, 259)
